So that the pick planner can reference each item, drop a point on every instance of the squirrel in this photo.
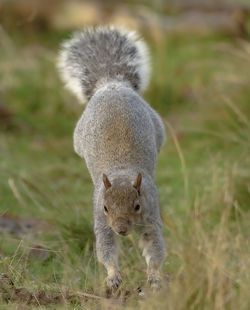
(119, 136)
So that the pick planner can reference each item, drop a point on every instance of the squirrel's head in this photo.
(122, 204)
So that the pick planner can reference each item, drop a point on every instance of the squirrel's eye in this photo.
(105, 209)
(137, 207)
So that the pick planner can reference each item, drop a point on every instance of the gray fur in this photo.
(119, 135)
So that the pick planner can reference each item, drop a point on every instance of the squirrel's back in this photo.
(115, 130)
(96, 56)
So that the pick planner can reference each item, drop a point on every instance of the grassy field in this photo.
(200, 86)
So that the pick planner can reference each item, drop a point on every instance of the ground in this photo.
(200, 86)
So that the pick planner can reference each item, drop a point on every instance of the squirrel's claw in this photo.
(114, 281)
(154, 282)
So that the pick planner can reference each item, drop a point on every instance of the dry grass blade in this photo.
(237, 111)
(16, 193)
(180, 153)
(28, 183)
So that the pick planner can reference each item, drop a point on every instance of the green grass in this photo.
(200, 86)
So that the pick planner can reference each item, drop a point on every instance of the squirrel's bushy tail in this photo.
(95, 56)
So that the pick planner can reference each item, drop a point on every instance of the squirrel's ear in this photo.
(137, 183)
(106, 181)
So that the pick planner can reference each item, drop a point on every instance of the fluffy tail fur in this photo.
(95, 56)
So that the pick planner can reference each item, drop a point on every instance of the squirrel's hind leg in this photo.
(107, 254)
(154, 251)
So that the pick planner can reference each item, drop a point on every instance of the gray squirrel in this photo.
(119, 135)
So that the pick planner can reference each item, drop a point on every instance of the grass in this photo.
(200, 86)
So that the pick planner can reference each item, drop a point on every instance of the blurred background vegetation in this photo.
(201, 87)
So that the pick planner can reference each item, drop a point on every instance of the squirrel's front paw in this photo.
(114, 280)
(154, 282)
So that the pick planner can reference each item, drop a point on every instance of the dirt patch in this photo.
(5, 115)
(9, 293)
(21, 225)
